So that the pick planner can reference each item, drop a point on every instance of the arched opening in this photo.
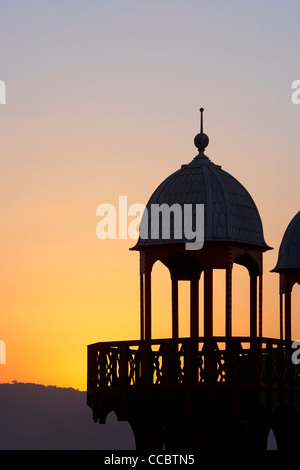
(219, 302)
(184, 304)
(184, 292)
(185, 272)
(289, 304)
(271, 441)
(240, 301)
(295, 312)
(116, 435)
(247, 297)
(161, 302)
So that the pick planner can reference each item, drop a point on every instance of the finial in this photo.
(201, 120)
(201, 140)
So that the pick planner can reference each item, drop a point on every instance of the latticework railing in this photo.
(186, 361)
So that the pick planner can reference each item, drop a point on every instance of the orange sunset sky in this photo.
(103, 100)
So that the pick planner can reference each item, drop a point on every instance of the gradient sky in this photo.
(102, 101)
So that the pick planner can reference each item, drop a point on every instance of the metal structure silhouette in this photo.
(209, 392)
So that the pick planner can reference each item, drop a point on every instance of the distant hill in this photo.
(35, 417)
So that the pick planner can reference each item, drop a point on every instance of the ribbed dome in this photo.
(289, 251)
(230, 214)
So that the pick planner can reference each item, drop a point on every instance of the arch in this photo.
(191, 268)
(184, 305)
(295, 311)
(240, 302)
(147, 425)
(161, 302)
(165, 305)
(182, 266)
(295, 307)
(255, 293)
(288, 280)
(219, 302)
(118, 434)
(246, 260)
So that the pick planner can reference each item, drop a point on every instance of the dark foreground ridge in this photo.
(37, 417)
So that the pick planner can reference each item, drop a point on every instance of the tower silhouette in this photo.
(209, 392)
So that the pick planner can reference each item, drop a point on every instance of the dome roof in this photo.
(289, 251)
(230, 214)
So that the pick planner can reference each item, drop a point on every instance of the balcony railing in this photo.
(194, 362)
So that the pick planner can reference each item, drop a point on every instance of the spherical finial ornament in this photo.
(201, 140)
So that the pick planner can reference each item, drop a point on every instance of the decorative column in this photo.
(208, 301)
(228, 313)
(194, 302)
(260, 300)
(287, 314)
(142, 307)
(148, 320)
(145, 295)
(281, 314)
(253, 305)
(175, 327)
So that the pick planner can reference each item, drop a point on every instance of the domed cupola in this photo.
(230, 214)
(288, 267)
(231, 232)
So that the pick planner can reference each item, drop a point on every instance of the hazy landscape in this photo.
(35, 417)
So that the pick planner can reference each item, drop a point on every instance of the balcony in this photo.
(123, 374)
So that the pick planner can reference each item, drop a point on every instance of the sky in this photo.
(102, 101)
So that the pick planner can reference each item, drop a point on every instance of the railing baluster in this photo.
(146, 354)
(187, 361)
(235, 359)
(209, 361)
(165, 357)
(123, 371)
